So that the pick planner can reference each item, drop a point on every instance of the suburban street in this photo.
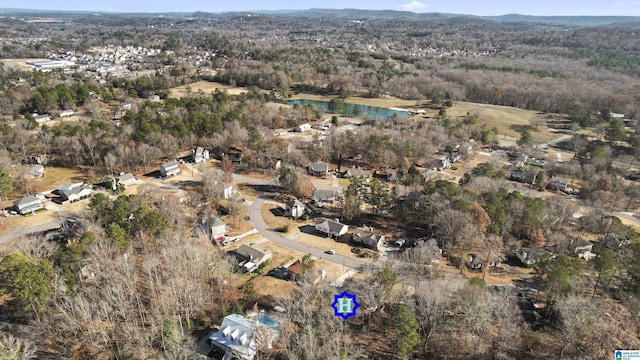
(256, 220)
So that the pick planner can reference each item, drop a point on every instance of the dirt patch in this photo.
(268, 285)
(205, 87)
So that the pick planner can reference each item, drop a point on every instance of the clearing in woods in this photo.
(207, 87)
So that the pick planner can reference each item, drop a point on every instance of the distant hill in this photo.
(365, 15)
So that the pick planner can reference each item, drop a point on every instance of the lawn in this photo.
(55, 177)
(274, 221)
(207, 87)
(509, 121)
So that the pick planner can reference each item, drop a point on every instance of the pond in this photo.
(372, 112)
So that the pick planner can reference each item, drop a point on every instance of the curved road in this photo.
(255, 215)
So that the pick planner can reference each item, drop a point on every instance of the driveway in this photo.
(255, 216)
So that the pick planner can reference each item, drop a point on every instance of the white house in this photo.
(76, 193)
(229, 191)
(127, 179)
(199, 155)
(66, 113)
(331, 228)
(217, 228)
(170, 168)
(294, 209)
(236, 337)
(28, 204)
(302, 128)
(42, 118)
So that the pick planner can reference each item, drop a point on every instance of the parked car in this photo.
(330, 252)
(400, 242)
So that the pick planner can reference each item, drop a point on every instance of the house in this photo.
(199, 155)
(582, 248)
(477, 261)
(252, 256)
(170, 168)
(530, 256)
(441, 163)
(127, 179)
(322, 126)
(42, 118)
(217, 228)
(558, 184)
(228, 191)
(294, 208)
(613, 242)
(519, 176)
(302, 128)
(280, 132)
(235, 154)
(76, 193)
(356, 172)
(368, 238)
(428, 175)
(324, 196)
(238, 337)
(66, 113)
(331, 228)
(318, 169)
(28, 204)
(296, 272)
(389, 175)
(35, 171)
(536, 162)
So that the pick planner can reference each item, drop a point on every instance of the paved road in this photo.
(30, 230)
(256, 220)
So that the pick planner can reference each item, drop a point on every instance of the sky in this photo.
(468, 7)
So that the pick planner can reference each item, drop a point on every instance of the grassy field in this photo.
(54, 177)
(206, 87)
(509, 121)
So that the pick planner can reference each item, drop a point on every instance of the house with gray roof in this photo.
(236, 337)
(127, 179)
(558, 184)
(318, 169)
(332, 228)
(28, 204)
(368, 238)
(35, 171)
(356, 172)
(530, 256)
(76, 193)
(252, 256)
(324, 195)
(169, 169)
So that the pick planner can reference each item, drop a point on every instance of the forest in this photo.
(130, 277)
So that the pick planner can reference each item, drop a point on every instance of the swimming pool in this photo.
(267, 321)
